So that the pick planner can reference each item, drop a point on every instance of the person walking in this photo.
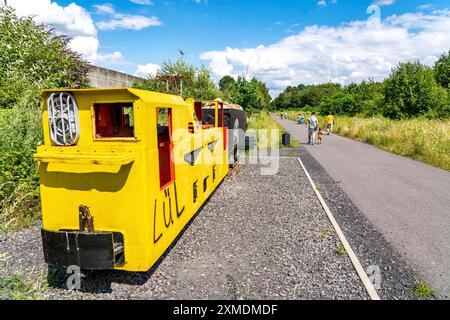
(313, 125)
(330, 123)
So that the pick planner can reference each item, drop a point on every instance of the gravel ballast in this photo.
(398, 279)
(258, 237)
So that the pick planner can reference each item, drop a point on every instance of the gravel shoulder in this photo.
(398, 279)
(258, 237)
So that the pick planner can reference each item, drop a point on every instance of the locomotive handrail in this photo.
(97, 159)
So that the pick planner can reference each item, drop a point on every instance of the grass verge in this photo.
(16, 287)
(263, 120)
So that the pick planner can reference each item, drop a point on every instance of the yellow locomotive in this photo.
(122, 171)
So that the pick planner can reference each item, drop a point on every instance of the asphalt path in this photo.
(406, 200)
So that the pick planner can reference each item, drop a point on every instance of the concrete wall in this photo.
(106, 78)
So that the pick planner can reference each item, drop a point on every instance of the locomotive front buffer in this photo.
(122, 172)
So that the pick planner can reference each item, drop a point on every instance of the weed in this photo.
(18, 288)
(340, 249)
(424, 290)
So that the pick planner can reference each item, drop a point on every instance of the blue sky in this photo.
(282, 42)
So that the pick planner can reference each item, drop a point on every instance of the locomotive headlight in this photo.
(63, 119)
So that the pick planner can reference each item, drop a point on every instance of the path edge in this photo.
(356, 264)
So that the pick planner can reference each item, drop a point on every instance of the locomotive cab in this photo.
(122, 171)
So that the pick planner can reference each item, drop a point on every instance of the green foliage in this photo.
(422, 139)
(197, 82)
(20, 133)
(17, 288)
(251, 95)
(424, 290)
(263, 120)
(339, 103)
(31, 58)
(442, 70)
(364, 98)
(340, 249)
(226, 83)
(302, 96)
(411, 90)
(34, 56)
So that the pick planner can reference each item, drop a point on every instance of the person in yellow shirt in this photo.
(330, 123)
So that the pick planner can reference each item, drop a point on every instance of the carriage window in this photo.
(114, 120)
(165, 147)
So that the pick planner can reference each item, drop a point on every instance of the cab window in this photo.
(114, 120)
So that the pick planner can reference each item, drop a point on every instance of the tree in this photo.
(226, 83)
(305, 96)
(442, 70)
(251, 95)
(411, 90)
(34, 56)
(340, 103)
(368, 97)
(197, 82)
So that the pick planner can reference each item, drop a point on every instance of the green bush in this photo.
(442, 70)
(32, 55)
(32, 58)
(411, 90)
(339, 103)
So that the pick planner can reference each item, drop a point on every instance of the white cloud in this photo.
(383, 2)
(323, 3)
(105, 8)
(425, 7)
(71, 20)
(129, 22)
(145, 2)
(146, 70)
(347, 53)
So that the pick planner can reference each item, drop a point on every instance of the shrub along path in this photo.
(407, 201)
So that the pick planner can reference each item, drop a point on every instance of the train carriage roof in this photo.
(147, 96)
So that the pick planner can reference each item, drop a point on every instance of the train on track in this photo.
(123, 171)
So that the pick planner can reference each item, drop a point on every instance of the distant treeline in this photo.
(412, 89)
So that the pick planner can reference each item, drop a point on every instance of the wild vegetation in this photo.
(422, 139)
(32, 58)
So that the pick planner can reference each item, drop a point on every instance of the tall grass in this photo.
(418, 138)
(421, 139)
(20, 132)
(263, 120)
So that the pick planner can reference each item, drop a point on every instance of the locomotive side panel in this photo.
(119, 196)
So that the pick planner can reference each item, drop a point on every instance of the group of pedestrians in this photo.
(315, 132)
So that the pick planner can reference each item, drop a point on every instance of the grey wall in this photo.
(106, 78)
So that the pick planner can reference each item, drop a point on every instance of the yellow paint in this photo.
(118, 179)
